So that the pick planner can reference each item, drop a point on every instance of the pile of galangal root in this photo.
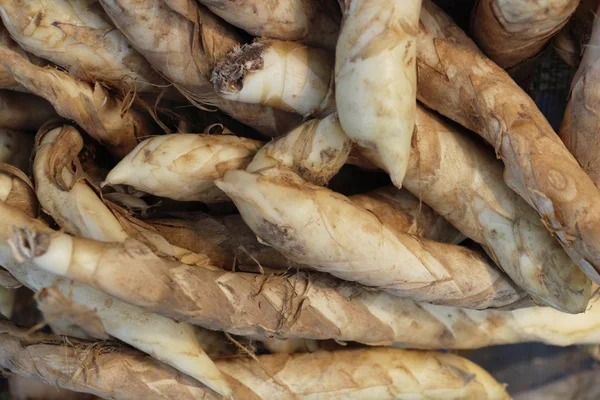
(278, 199)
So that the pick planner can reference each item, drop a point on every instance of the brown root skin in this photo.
(229, 72)
(112, 371)
(511, 41)
(460, 83)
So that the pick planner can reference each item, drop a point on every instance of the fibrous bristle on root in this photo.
(228, 75)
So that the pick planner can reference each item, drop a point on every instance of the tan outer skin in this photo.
(459, 82)
(315, 226)
(101, 115)
(314, 22)
(478, 202)
(580, 129)
(172, 342)
(116, 372)
(184, 49)
(408, 213)
(375, 78)
(286, 75)
(462, 181)
(511, 32)
(76, 35)
(308, 305)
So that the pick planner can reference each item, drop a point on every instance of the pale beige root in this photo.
(290, 346)
(112, 371)
(578, 386)
(304, 305)
(76, 35)
(566, 47)
(36, 389)
(376, 373)
(286, 75)
(185, 51)
(581, 123)
(459, 82)
(103, 369)
(461, 179)
(314, 22)
(103, 116)
(320, 228)
(70, 198)
(375, 78)
(183, 166)
(408, 214)
(23, 112)
(174, 343)
(16, 148)
(316, 150)
(227, 242)
(511, 32)
(7, 301)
